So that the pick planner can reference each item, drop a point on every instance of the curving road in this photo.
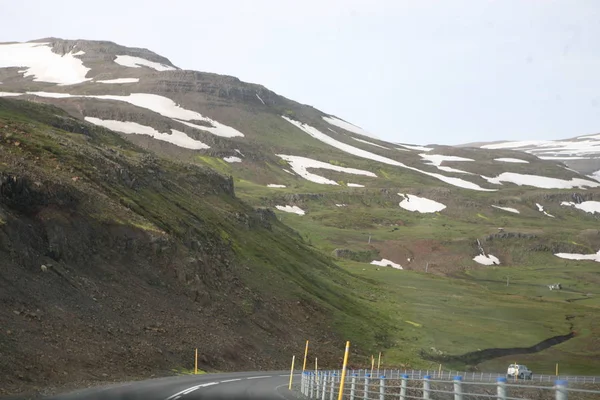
(239, 385)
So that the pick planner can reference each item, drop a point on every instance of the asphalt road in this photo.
(238, 385)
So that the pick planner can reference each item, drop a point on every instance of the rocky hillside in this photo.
(334, 192)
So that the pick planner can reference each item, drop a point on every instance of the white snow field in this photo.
(420, 204)
(595, 175)
(581, 257)
(341, 205)
(509, 209)
(549, 149)
(511, 145)
(541, 209)
(386, 263)
(543, 182)
(300, 165)
(43, 64)
(371, 143)
(10, 94)
(291, 209)
(315, 133)
(437, 160)
(512, 160)
(160, 105)
(348, 126)
(591, 207)
(288, 171)
(232, 159)
(137, 62)
(354, 185)
(261, 100)
(176, 137)
(274, 185)
(120, 80)
(415, 147)
(487, 259)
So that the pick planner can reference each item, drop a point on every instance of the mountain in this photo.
(581, 153)
(176, 209)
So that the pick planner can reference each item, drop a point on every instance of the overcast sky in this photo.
(446, 71)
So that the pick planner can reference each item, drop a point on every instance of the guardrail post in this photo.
(332, 386)
(311, 386)
(403, 386)
(458, 395)
(318, 385)
(366, 391)
(302, 382)
(324, 385)
(382, 387)
(426, 387)
(561, 390)
(353, 387)
(501, 388)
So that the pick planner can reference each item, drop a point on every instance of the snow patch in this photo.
(513, 145)
(176, 137)
(341, 205)
(372, 144)
(348, 126)
(591, 207)
(386, 263)
(509, 209)
(261, 100)
(375, 157)
(415, 147)
(120, 80)
(541, 181)
(354, 185)
(291, 209)
(438, 159)
(455, 170)
(43, 64)
(288, 171)
(512, 160)
(420, 204)
(239, 152)
(274, 185)
(581, 257)
(232, 159)
(595, 175)
(487, 259)
(10, 94)
(300, 165)
(217, 128)
(137, 62)
(541, 209)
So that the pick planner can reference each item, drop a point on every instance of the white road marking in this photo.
(178, 395)
(259, 377)
(231, 380)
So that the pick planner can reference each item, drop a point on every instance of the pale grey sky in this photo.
(422, 71)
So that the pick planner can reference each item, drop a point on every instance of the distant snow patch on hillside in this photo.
(438, 159)
(232, 159)
(288, 171)
(541, 209)
(415, 147)
(563, 158)
(591, 207)
(176, 137)
(120, 80)
(455, 170)
(386, 263)
(511, 160)
(300, 165)
(10, 94)
(137, 62)
(274, 185)
(341, 205)
(43, 64)
(348, 126)
(420, 204)
(239, 152)
(367, 142)
(580, 257)
(514, 145)
(509, 209)
(315, 133)
(541, 181)
(261, 100)
(354, 185)
(291, 209)
(595, 175)
(487, 259)
(217, 128)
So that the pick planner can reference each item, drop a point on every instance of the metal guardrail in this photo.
(325, 385)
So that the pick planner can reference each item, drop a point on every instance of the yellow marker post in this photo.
(343, 378)
(440, 371)
(372, 364)
(292, 373)
(305, 354)
(196, 363)
(556, 369)
(378, 363)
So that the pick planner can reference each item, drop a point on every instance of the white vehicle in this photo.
(520, 371)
